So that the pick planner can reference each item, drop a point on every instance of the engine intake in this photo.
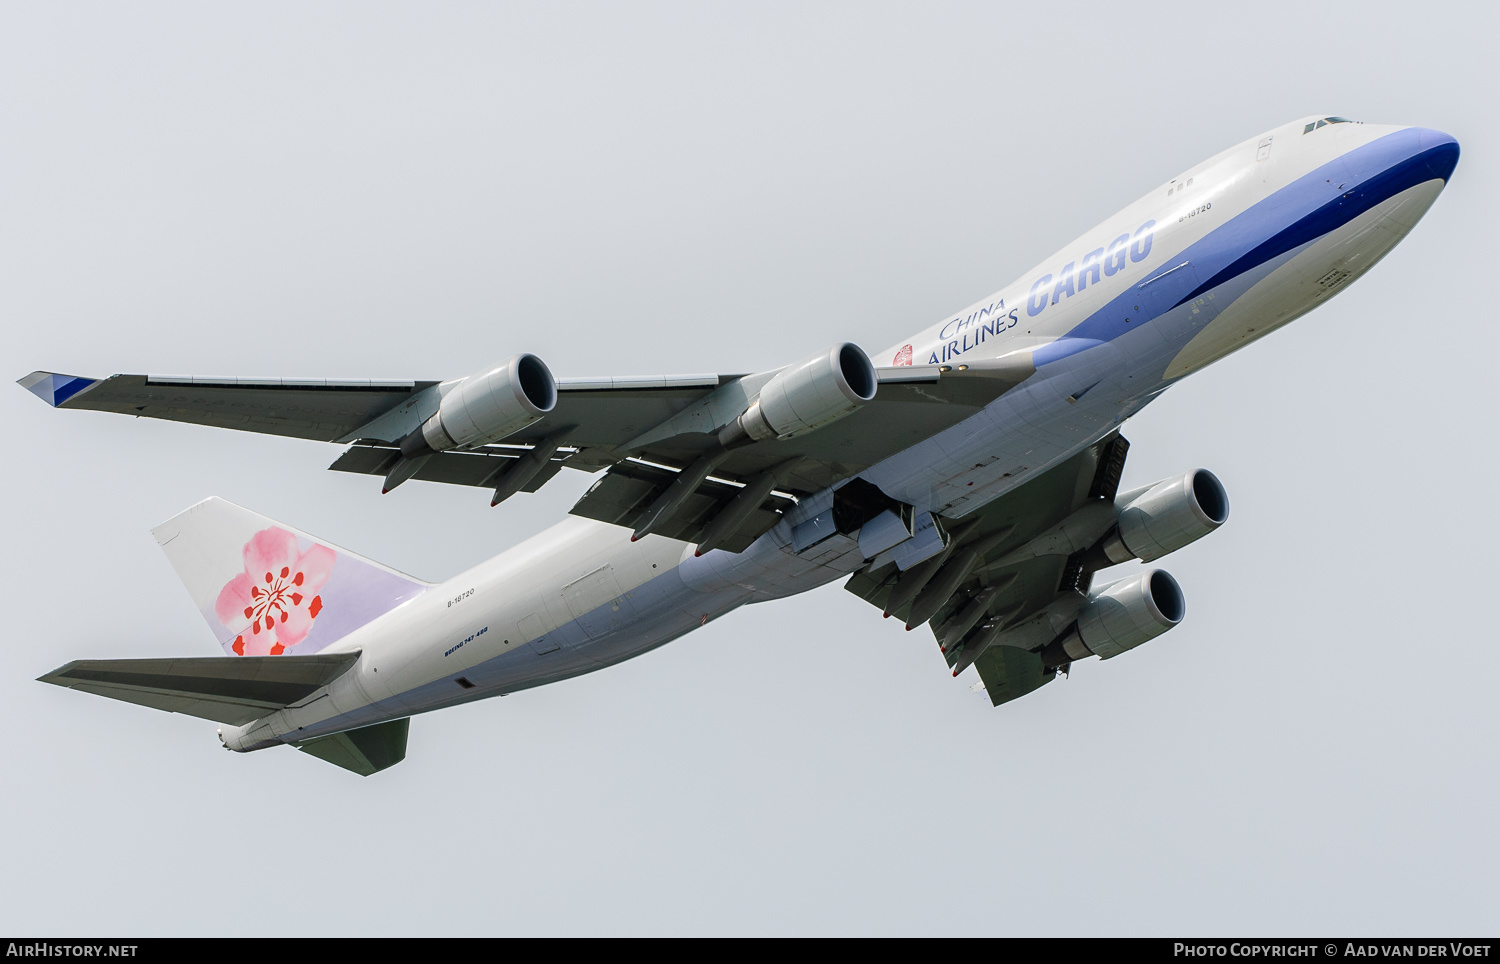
(487, 407)
(1163, 518)
(804, 397)
(1119, 618)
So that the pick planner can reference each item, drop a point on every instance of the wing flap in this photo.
(1009, 673)
(1011, 581)
(625, 493)
(480, 467)
(225, 689)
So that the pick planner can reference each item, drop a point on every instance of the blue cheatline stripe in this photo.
(1062, 348)
(65, 387)
(1306, 209)
(1417, 169)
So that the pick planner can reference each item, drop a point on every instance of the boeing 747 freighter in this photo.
(966, 478)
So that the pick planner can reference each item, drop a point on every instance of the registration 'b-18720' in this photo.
(971, 484)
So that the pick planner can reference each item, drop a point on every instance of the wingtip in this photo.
(54, 388)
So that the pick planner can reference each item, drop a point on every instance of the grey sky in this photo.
(414, 191)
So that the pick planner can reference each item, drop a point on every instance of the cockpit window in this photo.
(1324, 123)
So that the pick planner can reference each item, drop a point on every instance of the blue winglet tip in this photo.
(52, 388)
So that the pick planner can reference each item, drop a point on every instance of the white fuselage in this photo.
(1223, 254)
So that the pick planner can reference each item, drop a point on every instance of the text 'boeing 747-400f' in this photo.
(968, 478)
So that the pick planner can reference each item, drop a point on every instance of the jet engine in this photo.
(1120, 617)
(487, 407)
(1163, 518)
(806, 396)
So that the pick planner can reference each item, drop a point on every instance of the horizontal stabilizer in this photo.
(366, 750)
(225, 689)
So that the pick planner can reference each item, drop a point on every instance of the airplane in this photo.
(966, 478)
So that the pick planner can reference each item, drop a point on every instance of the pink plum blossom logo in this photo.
(903, 357)
(273, 603)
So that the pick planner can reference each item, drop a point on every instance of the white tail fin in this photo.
(268, 589)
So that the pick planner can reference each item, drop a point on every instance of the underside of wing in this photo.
(624, 496)
(1009, 673)
(696, 457)
(1009, 573)
(321, 409)
(226, 689)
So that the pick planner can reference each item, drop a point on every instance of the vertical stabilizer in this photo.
(267, 589)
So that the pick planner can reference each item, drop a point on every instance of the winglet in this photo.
(54, 389)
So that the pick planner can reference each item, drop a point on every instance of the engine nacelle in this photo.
(804, 397)
(488, 406)
(1166, 516)
(1119, 618)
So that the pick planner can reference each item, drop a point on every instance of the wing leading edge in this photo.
(656, 437)
(320, 409)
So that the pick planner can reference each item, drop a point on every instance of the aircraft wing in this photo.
(657, 436)
(319, 409)
(1012, 574)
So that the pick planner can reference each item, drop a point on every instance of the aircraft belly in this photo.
(1053, 416)
(661, 610)
(680, 598)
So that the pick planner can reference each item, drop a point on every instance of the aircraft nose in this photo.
(1440, 151)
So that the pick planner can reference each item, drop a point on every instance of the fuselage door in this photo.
(531, 630)
(594, 600)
